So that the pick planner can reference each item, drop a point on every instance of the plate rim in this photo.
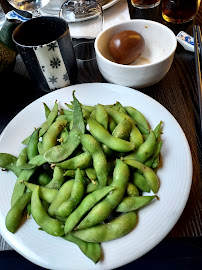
(138, 93)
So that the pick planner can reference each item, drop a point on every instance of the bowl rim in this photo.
(134, 66)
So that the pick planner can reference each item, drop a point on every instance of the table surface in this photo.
(177, 92)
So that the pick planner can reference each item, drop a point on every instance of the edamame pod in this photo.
(50, 225)
(63, 195)
(61, 152)
(101, 134)
(137, 116)
(8, 162)
(25, 175)
(51, 117)
(46, 110)
(81, 161)
(147, 172)
(155, 154)
(23, 159)
(114, 229)
(99, 159)
(44, 178)
(47, 194)
(101, 115)
(140, 182)
(145, 150)
(132, 190)
(77, 194)
(119, 107)
(50, 137)
(87, 203)
(91, 250)
(32, 148)
(104, 208)
(135, 136)
(14, 215)
(129, 204)
(58, 178)
(122, 130)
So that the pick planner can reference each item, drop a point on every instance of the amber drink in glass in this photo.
(179, 11)
(143, 4)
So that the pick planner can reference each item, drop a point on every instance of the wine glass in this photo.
(29, 5)
(84, 17)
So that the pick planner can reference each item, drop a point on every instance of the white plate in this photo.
(54, 8)
(155, 221)
(109, 4)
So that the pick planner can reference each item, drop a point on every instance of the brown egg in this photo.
(125, 47)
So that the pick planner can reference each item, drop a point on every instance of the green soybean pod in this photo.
(147, 172)
(70, 173)
(87, 203)
(155, 164)
(65, 117)
(90, 172)
(129, 204)
(50, 225)
(112, 124)
(104, 208)
(14, 215)
(32, 147)
(50, 137)
(132, 190)
(40, 148)
(58, 178)
(59, 153)
(157, 130)
(63, 195)
(98, 156)
(101, 115)
(8, 162)
(77, 194)
(23, 159)
(46, 110)
(119, 107)
(91, 250)
(44, 178)
(25, 175)
(46, 194)
(51, 117)
(63, 136)
(122, 130)
(137, 116)
(81, 161)
(114, 229)
(140, 182)
(135, 136)
(102, 135)
(26, 140)
(155, 154)
(145, 150)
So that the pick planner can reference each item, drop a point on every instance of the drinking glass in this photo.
(2, 16)
(144, 4)
(29, 5)
(179, 11)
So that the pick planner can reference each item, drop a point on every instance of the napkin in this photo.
(115, 14)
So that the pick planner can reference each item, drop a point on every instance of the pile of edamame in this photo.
(83, 174)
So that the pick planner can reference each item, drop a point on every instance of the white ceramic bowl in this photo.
(150, 67)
